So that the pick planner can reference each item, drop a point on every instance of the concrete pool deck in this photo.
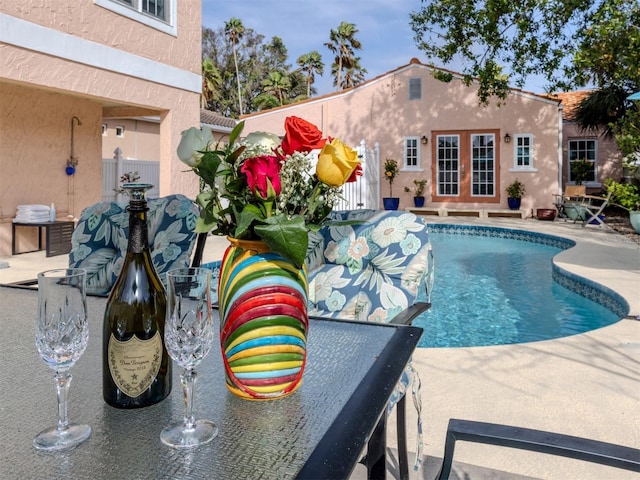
(585, 385)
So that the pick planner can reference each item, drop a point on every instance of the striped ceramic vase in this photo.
(263, 321)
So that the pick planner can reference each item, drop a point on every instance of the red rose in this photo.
(301, 136)
(263, 175)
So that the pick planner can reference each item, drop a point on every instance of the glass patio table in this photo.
(318, 432)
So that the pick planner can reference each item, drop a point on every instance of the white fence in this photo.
(114, 168)
(365, 191)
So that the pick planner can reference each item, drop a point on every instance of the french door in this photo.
(466, 166)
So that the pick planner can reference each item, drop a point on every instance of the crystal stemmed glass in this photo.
(188, 336)
(62, 333)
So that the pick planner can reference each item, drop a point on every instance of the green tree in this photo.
(311, 65)
(278, 85)
(343, 44)
(531, 37)
(211, 83)
(234, 30)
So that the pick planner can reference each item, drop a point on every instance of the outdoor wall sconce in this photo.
(72, 162)
(507, 138)
(424, 140)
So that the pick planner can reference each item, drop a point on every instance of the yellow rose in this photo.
(336, 163)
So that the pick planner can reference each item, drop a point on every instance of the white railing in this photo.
(114, 168)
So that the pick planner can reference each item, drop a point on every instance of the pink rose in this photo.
(263, 175)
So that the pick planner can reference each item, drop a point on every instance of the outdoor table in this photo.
(318, 432)
(57, 237)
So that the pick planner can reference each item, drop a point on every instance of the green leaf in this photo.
(287, 236)
(249, 214)
(235, 133)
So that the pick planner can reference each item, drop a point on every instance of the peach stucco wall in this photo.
(608, 154)
(379, 111)
(41, 91)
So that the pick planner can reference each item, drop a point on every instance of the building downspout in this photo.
(560, 161)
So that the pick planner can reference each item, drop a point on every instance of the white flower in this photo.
(388, 231)
(194, 141)
(265, 140)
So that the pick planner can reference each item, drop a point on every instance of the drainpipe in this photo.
(560, 161)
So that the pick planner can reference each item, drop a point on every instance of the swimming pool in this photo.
(497, 286)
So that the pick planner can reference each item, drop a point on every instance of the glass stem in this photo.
(188, 378)
(63, 380)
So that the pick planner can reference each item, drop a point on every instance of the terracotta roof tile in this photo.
(570, 102)
(215, 120)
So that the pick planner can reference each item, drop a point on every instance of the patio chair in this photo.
(589, 450)
(99, 241)
(567, 203)
(374, 266)
(592, 208)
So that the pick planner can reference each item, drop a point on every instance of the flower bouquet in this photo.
(265, 188)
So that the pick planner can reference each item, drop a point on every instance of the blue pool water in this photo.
(494, 291)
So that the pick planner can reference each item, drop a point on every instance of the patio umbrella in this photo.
(634, 96)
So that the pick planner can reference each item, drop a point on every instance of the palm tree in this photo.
(211, 83)
(233, 30)
(277, 84)
(311, 64)
(353, 74)
(343, 44)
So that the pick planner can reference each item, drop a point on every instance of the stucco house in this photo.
(438, 131)
(578, 144)
(68, 69)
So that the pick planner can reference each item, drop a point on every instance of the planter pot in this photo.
(418, 201)
(514, 203)
(545, 214)
(391, 203)
(263, 321)
(574, 210)
(634, 218)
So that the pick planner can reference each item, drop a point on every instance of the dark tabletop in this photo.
(318, 432)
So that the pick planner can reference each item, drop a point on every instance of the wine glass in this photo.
(188, 336)
(62, 333)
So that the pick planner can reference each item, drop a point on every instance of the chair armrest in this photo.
(407, 316)
(537, 441)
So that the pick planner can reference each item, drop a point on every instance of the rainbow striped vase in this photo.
(263, 321)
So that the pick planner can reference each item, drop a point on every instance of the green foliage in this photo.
(515, 189)
(570, 43)
(418, 190)
(581, 169)
(624, 194)
(346, 67)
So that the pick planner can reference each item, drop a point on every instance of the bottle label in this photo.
(134, 363)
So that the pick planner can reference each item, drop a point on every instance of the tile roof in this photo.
(216, 121)
(570, 102)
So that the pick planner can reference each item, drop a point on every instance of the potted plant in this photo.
(515, 190)
(418, 192)
(390, 172)
(627, 196)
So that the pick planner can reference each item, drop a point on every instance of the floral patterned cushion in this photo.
(369, 267)
(99, 241)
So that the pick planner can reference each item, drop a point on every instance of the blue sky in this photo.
(304, 25)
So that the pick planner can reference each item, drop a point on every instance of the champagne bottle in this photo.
(136, 370)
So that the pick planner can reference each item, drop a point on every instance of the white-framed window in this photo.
(523, 152)
(415, 88)
(581, 149)
(411, 153)
(159, 14)
(120, 131)
(104, 129)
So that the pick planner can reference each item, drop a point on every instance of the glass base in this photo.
(177, 435)
(54, 439)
